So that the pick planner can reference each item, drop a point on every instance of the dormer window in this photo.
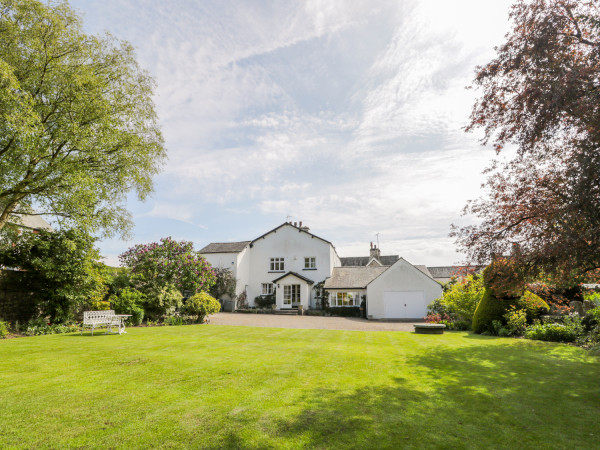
(277, 264)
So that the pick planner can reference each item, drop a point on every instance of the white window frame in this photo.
(310, 262)
(277, 264)
(267, 288)
(291, 294)
(347, 299)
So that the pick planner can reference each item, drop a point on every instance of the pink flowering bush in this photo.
(168, 262)
(437, 318)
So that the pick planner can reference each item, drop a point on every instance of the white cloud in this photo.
(346, 115)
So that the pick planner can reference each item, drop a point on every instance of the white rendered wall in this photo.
(294, 245)
(236, 262)
(402, 276)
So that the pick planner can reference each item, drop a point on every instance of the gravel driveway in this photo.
(314, 322)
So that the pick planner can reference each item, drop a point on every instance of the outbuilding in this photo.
(399, 291)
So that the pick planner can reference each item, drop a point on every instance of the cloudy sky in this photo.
(346, 115)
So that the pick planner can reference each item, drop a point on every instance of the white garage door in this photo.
(404, 305)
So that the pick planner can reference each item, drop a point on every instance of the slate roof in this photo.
(225, 247)
(423, 269)
(452, 271)
(364, 260)
(353, 277)
(297, 275)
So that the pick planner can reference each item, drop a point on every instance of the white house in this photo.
(291, 260)
(288, 259)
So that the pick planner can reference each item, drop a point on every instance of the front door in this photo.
(291, 295)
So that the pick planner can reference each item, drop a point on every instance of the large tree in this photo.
(542, 94)
(78, 129)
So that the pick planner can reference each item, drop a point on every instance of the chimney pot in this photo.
(371, 244)
(295, 224)
(300, 224)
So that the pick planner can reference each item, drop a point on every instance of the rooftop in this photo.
(225, 247)
(353, 277)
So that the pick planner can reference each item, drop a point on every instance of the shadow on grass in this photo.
(497, 396)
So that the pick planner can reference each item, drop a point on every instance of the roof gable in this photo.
(415, 269)
(300, 230)
(293, 274)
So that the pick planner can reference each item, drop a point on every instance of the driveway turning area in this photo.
(311, 322)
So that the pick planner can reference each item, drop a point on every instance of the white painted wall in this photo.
(401, 277)
(238, 263)
(293, 245)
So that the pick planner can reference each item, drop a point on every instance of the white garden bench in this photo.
(108, 318)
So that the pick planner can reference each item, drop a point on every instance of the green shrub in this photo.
(344, 311)
(129, 301)
(504, 332)
(489, 309)
(174, 320)
(533, 305)
(516, 321)
(265, 301)
(461, 300)
(162, 301)
(3, 329)
(40, 327)
(569, 331)
(202, 305)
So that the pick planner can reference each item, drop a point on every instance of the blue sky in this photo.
(344, 115)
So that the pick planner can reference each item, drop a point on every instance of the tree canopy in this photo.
(542, 93)
(61, 267)
(78, 128)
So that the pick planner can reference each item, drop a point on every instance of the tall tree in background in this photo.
(542, 93)
(78, 130)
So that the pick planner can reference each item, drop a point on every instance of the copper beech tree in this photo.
(542, 94)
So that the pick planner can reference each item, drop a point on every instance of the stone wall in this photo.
(17, 302)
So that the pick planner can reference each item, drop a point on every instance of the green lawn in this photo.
(218, 386)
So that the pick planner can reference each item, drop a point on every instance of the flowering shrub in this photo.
(516, 321)
(437, 318)
(158, 264)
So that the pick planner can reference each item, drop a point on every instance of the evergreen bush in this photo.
(490, 308)
(202, 305)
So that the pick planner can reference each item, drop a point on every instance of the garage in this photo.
(397, 292)
(401, 292)
(403, 304)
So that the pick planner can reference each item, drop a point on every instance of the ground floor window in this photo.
(267, 288)
(346, 299)
(291, 294)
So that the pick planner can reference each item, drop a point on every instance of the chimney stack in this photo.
(375, 252)
(300, 224)
(295, 224)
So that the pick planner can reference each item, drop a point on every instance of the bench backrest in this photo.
(90, 317)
